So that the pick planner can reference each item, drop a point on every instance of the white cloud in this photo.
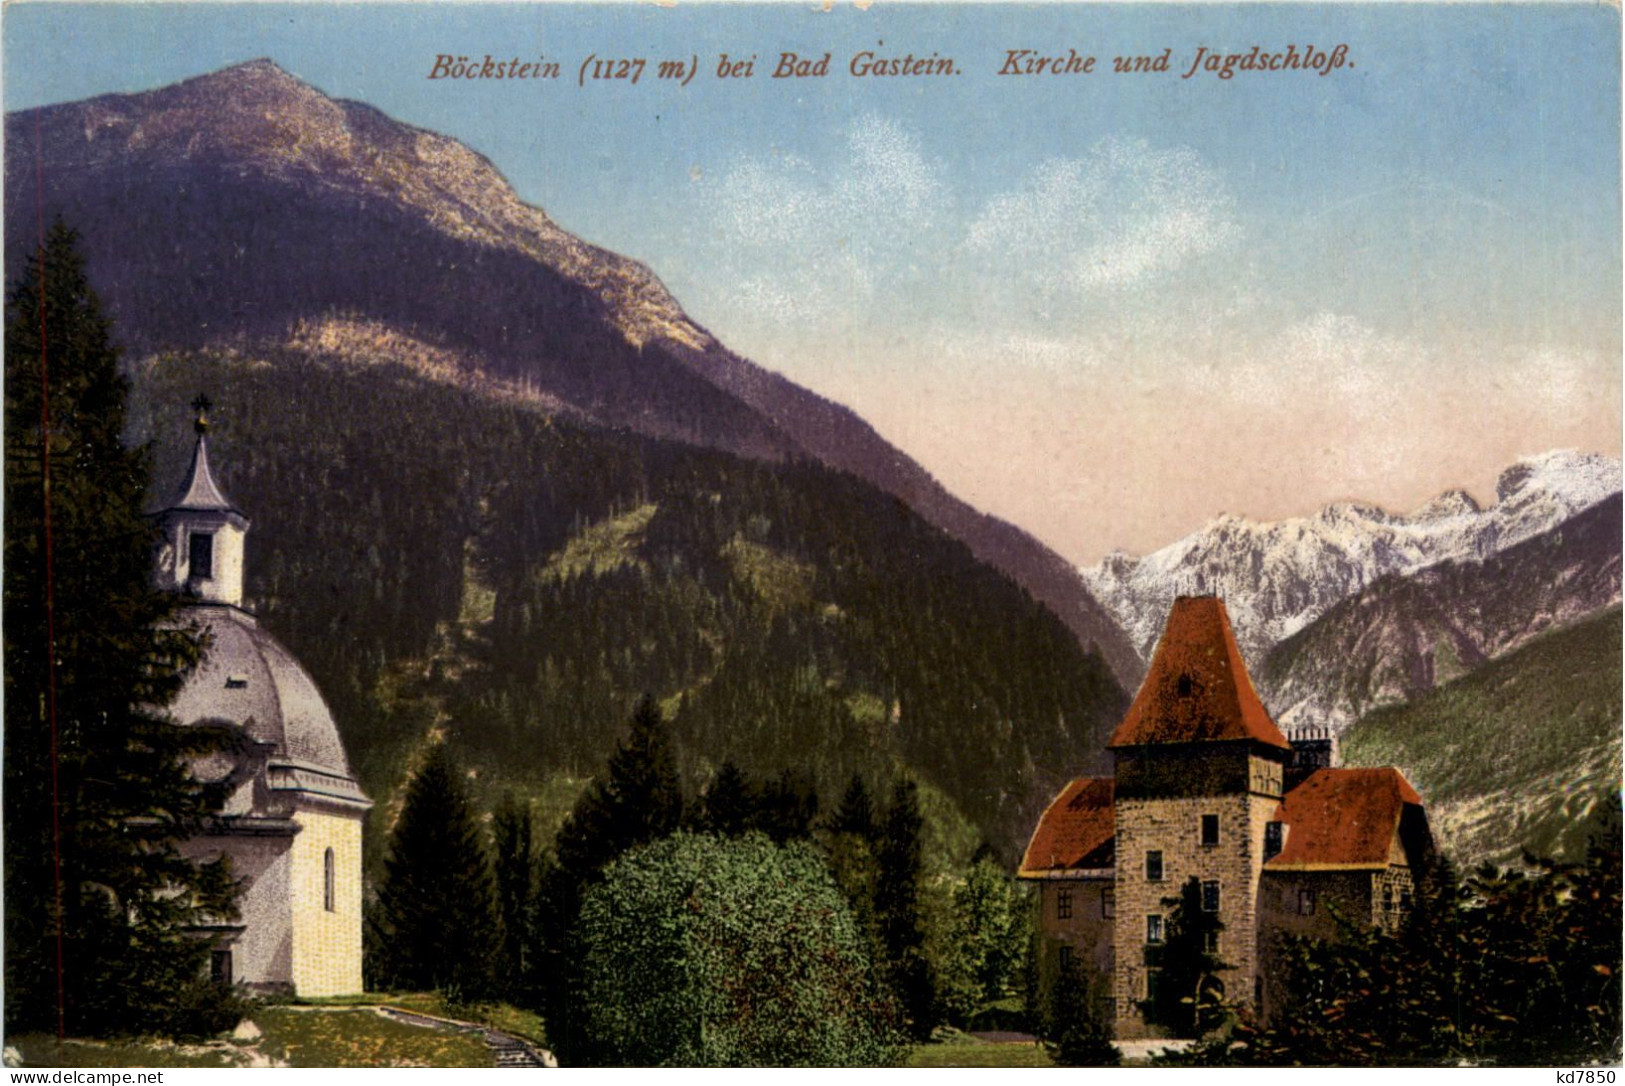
(1120, 216)
(804, 243)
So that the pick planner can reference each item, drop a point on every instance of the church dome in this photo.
(247, 679)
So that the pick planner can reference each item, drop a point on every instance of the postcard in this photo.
(812, 534)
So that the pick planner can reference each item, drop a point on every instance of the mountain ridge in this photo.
(291, 205)
(1277, 577)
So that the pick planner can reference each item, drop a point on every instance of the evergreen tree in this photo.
(897, 909)
(1188, 995)
(99, 899)
(438, 902)
(788, 807)
(640, 799)
(1076, 1033)
(856, 814)
(729, 806)
(518, 895)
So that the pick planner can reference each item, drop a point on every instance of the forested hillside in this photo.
(1523, 753)
(442, 560)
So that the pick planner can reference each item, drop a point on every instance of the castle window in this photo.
(1108, 902)
(327, 880)
(201, 560)
(220, 966)
(1153, 928)
(1306, 903)
(1404, 901)
(1063, 904)
(1210, 830)
(1153, 865)
(1210, 941)
(1187, 686)
(1210, 896)
(1272, 839)
(1067, 961)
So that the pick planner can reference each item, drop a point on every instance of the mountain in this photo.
(245, 210)
(1278, 577)
(501, 486)
(1523, 753)
(1401, 636)
(449, 564)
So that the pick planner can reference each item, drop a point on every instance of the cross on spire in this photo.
(201, 405)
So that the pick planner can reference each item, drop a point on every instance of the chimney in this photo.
(1314, 746)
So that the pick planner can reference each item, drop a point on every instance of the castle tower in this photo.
(202, 552)
(1199, 772)
(291, 825)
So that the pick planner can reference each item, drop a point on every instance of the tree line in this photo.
(498, 916)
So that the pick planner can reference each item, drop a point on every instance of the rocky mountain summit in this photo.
(245, 210)
(1279, 577)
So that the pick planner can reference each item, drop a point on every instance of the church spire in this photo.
(203, 531)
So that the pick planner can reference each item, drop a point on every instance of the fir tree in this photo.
(1075, 1030)
(98, 794)
(856, 814)
(640, 799)
(437, 905)
(730, 805)
(518, 890)
(897, 908)
(788, 807)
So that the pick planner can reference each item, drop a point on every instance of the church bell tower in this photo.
(202, 551)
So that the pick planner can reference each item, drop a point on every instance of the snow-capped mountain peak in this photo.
(1277, 577)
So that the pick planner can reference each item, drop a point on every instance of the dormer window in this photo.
(236, 682)
(201, 561)
(1186, 686)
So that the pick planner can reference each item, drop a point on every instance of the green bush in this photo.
(705, 951)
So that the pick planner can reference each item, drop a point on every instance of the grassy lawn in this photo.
(979, 1054)
(43, 1050)
(503, 1016)
(302, 1036)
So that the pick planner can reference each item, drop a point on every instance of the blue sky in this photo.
(1105, 306)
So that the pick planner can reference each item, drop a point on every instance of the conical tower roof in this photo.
(1197, 689)
(199, 490)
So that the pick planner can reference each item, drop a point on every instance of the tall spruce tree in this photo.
(729, 806)
(897, 908)
(639, 799)
(437, 917)
(856, 814)
(100, 901)
(518, 895)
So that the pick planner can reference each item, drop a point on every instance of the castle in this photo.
(1205, 786)
(292, 824)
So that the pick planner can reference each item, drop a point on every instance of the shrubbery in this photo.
(704, 951)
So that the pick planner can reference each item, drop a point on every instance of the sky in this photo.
(1105, 306)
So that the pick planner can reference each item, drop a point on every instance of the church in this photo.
(1205, 786)
(291, 826)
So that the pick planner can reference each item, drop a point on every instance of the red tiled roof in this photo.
(1197, 689)
(1076, 831)
(1343, 818)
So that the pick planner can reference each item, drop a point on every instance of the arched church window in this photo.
(327, 880)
